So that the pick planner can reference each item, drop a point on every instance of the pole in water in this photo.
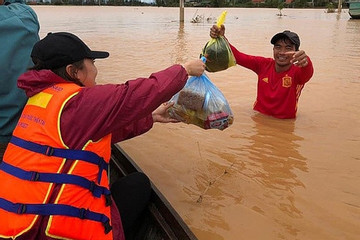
(339, 7)
(181, 6)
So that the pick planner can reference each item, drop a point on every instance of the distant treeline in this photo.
(199, 3)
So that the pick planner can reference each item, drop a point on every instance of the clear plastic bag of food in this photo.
(201, 103)
(218, 52)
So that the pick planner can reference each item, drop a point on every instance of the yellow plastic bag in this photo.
(218, 52)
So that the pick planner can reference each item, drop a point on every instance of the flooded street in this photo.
(261, 178)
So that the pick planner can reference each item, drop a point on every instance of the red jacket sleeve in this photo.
(121, 109)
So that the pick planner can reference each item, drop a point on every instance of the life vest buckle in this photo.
(108, 200)
(82, 214)
(35, 176)
(49, 151)
(92, 186)
(107, 226)
(21, 209)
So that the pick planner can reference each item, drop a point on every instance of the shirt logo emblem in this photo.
(266, 80)
(286, 81)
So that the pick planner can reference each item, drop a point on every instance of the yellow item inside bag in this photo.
(201, 103)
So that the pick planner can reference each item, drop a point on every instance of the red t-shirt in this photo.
(277, 92)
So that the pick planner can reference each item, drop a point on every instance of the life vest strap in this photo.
(59, 178)
(56, 209)
(82, 155)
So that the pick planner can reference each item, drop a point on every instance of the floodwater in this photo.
(261, 178)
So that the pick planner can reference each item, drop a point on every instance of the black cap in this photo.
(60, 49)
(293, 37)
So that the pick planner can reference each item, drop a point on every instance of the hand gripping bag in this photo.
(218, 52)
(201, 103)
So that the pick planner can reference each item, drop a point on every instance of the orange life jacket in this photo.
(33, 164)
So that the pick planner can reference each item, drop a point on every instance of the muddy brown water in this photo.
(261, 178)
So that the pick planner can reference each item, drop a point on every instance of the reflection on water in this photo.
(276, 154)
(272, 163)
(262, 178)
(180, 50)
(275, 162)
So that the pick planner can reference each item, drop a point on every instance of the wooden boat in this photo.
(160, 220)
(354, 8)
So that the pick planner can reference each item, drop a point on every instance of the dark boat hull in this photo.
(160, 220)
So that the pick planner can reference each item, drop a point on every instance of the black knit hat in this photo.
(60, 49)
(293, 37)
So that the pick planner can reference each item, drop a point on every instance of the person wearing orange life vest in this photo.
(53, 179)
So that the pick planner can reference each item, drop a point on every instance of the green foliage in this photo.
(280, 4)
(330, 8)
(217, 3)
(116, 2)
(280, 7)
(273, 3)
(300, 3)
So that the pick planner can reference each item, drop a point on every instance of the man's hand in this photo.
(299, 59)
(215, 31)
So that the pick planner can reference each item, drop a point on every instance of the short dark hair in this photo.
(61, 71)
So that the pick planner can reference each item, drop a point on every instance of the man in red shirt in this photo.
(281, 79)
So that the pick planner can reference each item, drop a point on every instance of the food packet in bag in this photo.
(201, 103)
(218, 52)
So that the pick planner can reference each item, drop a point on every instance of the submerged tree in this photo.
(280, 7)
